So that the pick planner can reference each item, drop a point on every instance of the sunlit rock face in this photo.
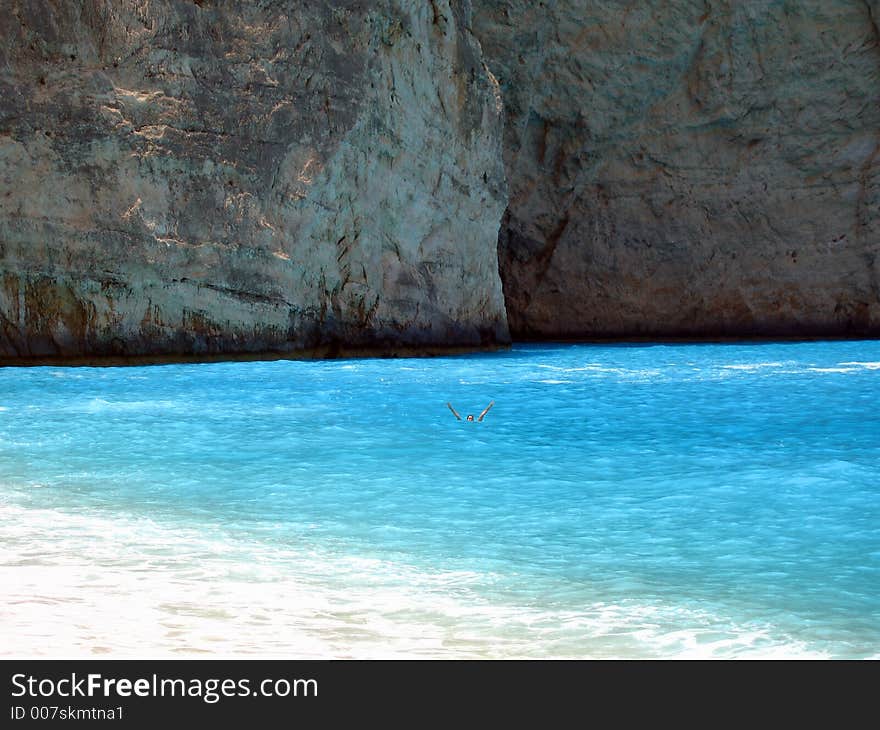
(222, 177)
(198, 178)
(689, 168)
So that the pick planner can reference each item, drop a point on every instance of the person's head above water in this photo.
(470, 417)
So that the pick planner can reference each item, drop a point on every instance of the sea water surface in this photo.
(617, 501)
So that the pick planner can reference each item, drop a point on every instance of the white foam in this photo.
(67, 375)
(76, 585)
(596, 369)
(99, 405)
(751, 367)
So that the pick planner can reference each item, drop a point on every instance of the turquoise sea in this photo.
(617, 501)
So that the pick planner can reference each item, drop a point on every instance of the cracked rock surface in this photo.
(207, 177)
(689, 168)
(218, 177)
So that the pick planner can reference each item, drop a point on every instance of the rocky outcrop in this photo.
(219, 177)
(683, 168)
(211, 177)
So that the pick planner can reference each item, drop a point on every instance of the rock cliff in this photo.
(220, 177)
(687, 167)
(210, 177)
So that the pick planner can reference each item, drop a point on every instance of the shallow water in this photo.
(618, 501)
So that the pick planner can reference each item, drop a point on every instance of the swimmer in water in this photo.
(470, 417)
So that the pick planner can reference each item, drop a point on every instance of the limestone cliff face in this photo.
(183, 177)
(689, 167)
(219, 177)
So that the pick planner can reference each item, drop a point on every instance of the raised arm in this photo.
(486, 411)
(453, 411)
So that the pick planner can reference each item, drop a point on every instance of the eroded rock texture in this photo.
(219, 177)
(689, 168)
